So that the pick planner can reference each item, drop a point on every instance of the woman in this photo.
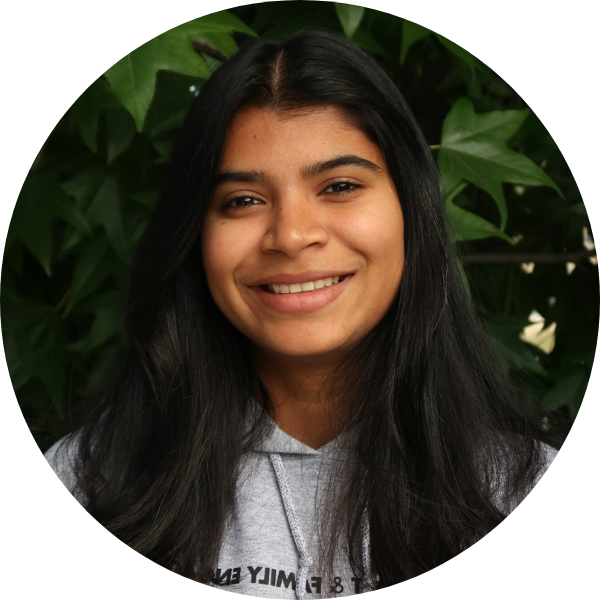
(309, 405)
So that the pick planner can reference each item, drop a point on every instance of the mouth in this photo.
(296, 294)
(305, 286)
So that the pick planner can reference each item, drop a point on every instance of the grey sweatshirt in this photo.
(270, 545)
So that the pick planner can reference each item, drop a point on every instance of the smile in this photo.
(307, 286)
(298, 296)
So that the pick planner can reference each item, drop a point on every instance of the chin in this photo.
(308, 349)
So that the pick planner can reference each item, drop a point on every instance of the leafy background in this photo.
(518, 220)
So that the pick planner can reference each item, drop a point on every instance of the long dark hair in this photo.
(445, 445)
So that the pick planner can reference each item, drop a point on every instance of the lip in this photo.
(302, 302)
(289, 278)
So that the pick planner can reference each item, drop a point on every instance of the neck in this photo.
(303, 406)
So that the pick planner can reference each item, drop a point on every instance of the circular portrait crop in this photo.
(300, 300)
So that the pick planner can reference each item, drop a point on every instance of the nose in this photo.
(296, 224)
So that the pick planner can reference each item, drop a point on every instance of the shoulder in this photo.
(512, 478)
(62, 457)
(548, 455)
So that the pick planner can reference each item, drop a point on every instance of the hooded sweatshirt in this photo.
(270, 545)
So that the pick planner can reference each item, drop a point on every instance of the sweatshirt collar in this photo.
(275, 440)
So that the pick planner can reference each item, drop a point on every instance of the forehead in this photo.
(293, 137)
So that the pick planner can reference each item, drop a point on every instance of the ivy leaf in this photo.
(466, 225)
(133, 78)
(98, 190)
(8, 293)
(174, 121)
(105, 210)
(413, 32)
(458, 51)
(578, 208)
(85, 112)
(515, 353)
(367, 42)
(107, 323)
(94, 265)
(41, 201)
(568, 391)
(473, 148)
(34, 345)
(221, 21)
(350, 17)
(120, 129)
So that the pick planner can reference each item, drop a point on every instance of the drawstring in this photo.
(365, 529)
(306, 560)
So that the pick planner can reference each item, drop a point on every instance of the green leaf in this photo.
(13, 255)
(466, 225)
(221, 21)
(474, 148)
(568, 391)
(515, 353)
(34, 345)
(456, 190)
(85, 112)
(133, 78)
(105, 210)
(84, 185)
(8, 294)
(221, 40)
(350, 17)
(98, 190)
(461, 52)
(107, 323)
(86, 117)
(368, 42)
(120, 129)
(40, 202)
(579, 209)
(146, 199)
(174, 121)
(411, 33)
(94, 265)
(163, 149)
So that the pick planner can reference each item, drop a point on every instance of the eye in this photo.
(241, 202)
(341, 187)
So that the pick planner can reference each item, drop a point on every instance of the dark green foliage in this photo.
(511, 200)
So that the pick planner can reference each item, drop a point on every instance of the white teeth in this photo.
(307, 286)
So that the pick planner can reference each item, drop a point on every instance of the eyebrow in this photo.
(347, 160)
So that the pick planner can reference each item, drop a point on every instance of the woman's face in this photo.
(302, 199)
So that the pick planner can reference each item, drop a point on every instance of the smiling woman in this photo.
(309, 405)
(303, 244)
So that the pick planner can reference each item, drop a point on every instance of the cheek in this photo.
(225, 249)
(219, 257)
(379, 236)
